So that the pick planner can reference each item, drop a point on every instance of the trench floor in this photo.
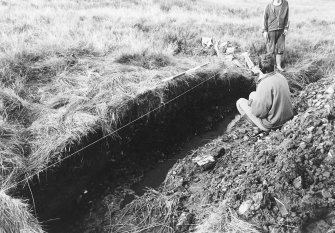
(96, 220)
(154, 177)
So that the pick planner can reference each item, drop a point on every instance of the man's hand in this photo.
(285, 32)
(255, 70)
(266, 36)
(251, 97)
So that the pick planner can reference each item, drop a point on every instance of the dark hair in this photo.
(266, 63)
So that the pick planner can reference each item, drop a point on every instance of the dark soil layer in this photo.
(276, 182)
(64, 194)
(280, 182)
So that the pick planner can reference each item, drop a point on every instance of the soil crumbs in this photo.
(282, 181)
(279, 182)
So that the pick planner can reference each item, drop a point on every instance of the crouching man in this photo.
(269, 107)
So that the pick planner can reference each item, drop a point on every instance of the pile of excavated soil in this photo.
(282, 181)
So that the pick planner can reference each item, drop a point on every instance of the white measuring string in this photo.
(115, 131)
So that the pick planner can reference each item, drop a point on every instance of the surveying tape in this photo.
(115, 131)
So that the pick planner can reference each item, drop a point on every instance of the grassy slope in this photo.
(65, 63)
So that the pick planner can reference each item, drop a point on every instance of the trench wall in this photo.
(58, 192)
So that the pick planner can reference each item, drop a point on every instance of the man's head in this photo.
(266, 63)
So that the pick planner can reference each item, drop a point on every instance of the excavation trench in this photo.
(141, 154)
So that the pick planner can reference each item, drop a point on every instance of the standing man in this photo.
(275, 28)
(269, 107)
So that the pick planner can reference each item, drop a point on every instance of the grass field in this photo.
(65, 64)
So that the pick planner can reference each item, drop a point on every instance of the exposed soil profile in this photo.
(277, 182)
(103, 188)
(72, 72)
(114, 167)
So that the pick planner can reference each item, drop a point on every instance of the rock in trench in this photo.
(297, 182)
(244, 207)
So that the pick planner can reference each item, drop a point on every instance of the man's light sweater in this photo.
(271, 102)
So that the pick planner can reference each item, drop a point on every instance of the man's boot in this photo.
(278, 62)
